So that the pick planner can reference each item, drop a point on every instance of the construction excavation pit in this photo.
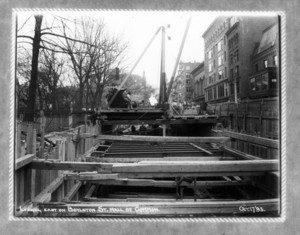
(150, 176)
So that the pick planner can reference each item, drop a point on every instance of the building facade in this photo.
(216, 62)
(198, 76)
(229, 44)
(183, 85)
(264, 80)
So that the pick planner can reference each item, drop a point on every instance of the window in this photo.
(215, 93)
(200, 87)
(238, 87)
(221, 74)
(264, 82)
(256, 67)
(275, 60)
(209, 94)
(219, 45)
(231, 89)
(210, 53)
(231, 73)
(225, 72)
(226, 89)
(236, 56)
(273, 80)
(220, 60)
(265, 63)
(221, 92)
(237, 70)
(258, 83)
(210, 67)
(210, 81)
(252, 84)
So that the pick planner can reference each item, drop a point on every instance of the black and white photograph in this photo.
(149, 117)
(147, 114)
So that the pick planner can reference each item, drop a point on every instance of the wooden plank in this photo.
(169, 162)
(74, 176)
(90, 192)
(23, 161)
(72, 191)
(74, 166)
(201, 167)
(140, 195)
(90, 151)
(115, 208)
(253, 139)
(173, 167)
(135, 160)
(202, 149)
(239, 154)
(93, 200)
(45, 195)
(163, 138)
(156, 154)
(168, 183)
(140, 175)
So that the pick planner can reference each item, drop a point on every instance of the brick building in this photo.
(264, 79)
(229, 45)
(183, 86)
(198, 75)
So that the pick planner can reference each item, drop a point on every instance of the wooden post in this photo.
(164, 129)
(42, 128)
(18, 142)
(70, 120)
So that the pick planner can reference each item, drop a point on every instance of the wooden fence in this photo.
(256, 117)
(63, 146)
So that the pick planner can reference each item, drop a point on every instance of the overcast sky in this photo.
(137, 28)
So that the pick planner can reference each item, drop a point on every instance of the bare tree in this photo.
(106, 69)
(50, 71)
(92, 62)
(34, 69)
(90, 50)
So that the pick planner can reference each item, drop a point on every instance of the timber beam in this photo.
(253, 139)
(239, 154)
(201, 167)
(73, 166)
(46, 194)
(168, 167)
(23, 161)
(164, 139)
(118, 208)
(72, 191)
(136, 160)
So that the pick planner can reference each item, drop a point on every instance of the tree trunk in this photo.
(34, 70)
(81, 91)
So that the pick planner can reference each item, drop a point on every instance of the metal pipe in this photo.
(162, 89)
(177, 60)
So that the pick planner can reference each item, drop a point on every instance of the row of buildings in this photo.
(241, 62)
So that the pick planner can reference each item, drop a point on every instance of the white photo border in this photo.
(283, 162)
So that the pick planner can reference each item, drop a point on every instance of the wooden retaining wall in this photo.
(253, 117)
(69, 146)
